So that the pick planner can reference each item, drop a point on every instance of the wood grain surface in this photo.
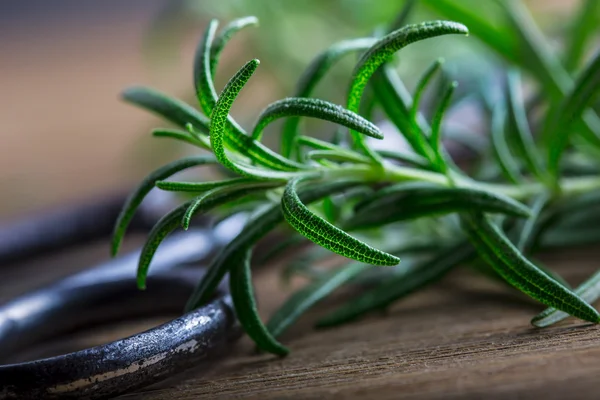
(463, 338)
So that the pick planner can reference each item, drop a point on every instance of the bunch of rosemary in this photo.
(535, 181)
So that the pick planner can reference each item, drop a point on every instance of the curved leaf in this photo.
(167, 107)
(254, 230)
(325, 234)
(493, 246)
(339, 156)
(200, 186)
(307, 297)
(396, 102)
(234, 135)
(172, 221)
(583, 27)
(242, 294)
(198, 204)
(219, 122)
(520, 125)
(398, 286)
(530, 226)
(411, 200)
(405, 158)
(137, 196)
(316, 108)
(572, 107)
(225, 36)
(198, 141)
(589, 291)
(502, 153)
(312, 75)
(436, 125)
(381, 52)
(422, 84)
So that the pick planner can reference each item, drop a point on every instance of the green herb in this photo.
(413, 203)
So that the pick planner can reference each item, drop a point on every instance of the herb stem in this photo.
(393, 173)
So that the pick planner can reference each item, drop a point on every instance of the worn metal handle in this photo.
(104, 293)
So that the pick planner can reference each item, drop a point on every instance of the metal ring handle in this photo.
(108, 293)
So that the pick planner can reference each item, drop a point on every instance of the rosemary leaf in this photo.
(254, 230)
(137, 196)
(589, 291)
(171, 109)
(244, 302)
(381, 52)
(312, 75)
(312, 294)
(327, 235)
(316, 108)
(225, 36)
(401, 285)
(500, 253)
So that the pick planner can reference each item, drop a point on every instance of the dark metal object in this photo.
(107, 293)
(73, 226)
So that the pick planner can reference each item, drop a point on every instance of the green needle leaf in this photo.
(137, 196)
(203, 80)
(309, 296)
(405, 158)
(167, 224)
(198, 204)
(316, 108)
(225, 36)
(199, 187)
(244, 302)
(253, 231)
(198, 141)
(493, 246)
(583, 28)
(507, 163)
(422, 84)
(172, 221)
(530, 226)
(580, 97)
(169, 108)
(396, 102)
(400, 285)
(383, 51)
(312, 75)
(589, 291)
(406, 201)
(520, 125)
(339, 156)
(325, 234)
(436, 126)
(234, 135)
(218, 127)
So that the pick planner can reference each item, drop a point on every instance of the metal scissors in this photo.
(105, 293)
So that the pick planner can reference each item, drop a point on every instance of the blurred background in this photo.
(66, 136)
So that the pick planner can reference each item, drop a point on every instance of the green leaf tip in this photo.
(242, 295)
(315, 108)
(137, 196)
(382, 51)
(327, 235)
(225, 36)
(516, 269)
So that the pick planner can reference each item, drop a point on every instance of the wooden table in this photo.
(463, 338)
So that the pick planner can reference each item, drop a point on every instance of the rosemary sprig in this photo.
(386, 198)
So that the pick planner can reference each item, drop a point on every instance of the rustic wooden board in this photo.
(464, 338)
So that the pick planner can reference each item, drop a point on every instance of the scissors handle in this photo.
(104, 293)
